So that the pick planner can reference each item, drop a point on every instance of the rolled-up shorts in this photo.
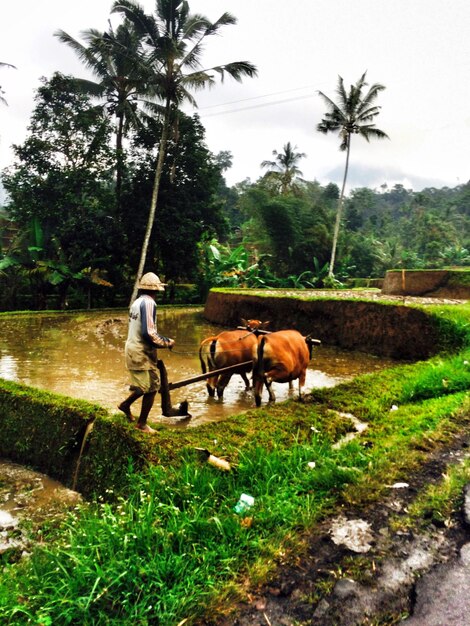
(146, 381)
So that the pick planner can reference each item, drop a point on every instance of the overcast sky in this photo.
(418, 49)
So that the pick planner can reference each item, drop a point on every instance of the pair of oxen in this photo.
(282, 357)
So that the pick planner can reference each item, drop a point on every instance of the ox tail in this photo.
(206, 357)
(258, 366)
(206, 354)
(258, 371)
(202, 359)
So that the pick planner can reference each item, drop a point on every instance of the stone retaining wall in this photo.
(434, 283)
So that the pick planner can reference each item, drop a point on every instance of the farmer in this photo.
(141, 350)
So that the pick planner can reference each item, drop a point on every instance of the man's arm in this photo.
(149, 332)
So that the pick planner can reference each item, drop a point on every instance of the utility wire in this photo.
(258, 106)
(267, 95)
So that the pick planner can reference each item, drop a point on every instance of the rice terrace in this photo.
(234, 315)
(157, 538)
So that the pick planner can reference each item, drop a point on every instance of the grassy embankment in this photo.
(173, 548)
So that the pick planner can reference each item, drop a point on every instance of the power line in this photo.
(267, 95)
(259, 106)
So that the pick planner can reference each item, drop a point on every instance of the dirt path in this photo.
(316, 588)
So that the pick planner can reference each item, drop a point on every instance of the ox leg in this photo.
(245, 380)
(258, 383)
(268, 382)
(258, 392)
(223, 381)
(302, 378)
(211, 385)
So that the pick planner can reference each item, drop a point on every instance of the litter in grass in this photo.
(354, 534)
(244, 504)
(214, 460)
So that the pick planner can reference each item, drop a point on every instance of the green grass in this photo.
(172, 548)
(174, 545)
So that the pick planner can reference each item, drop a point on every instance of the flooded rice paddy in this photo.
(82, 355)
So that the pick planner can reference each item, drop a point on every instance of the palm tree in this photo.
(172, 45)
(353, 114)
(2, 99)
(285, 168)
(121, 83)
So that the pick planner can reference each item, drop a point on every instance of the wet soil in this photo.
(333, 585)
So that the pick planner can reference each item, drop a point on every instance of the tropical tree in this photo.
(284, 169)
(121, 82)
(352, 114)
(190, 207)
(60, 182)
(171, 48)
(2, 99)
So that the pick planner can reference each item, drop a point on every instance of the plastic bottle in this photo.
(244, 504)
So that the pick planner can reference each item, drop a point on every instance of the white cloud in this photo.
(419, 49)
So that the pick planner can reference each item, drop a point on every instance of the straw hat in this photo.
(151, 282)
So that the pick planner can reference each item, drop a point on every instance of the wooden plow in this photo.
(166, 387)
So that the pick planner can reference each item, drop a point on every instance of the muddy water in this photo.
(82, 356)
(28, 500)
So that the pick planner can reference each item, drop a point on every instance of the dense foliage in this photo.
(77, 222)
(189, 204)
(67, 239)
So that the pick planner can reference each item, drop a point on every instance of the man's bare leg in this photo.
(147, 404)
(125, 405)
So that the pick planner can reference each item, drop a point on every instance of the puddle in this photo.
(28, 500)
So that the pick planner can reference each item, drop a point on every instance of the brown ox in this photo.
(280, 357)
(229, 347)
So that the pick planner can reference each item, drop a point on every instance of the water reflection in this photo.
(82, 356)
(8, 367)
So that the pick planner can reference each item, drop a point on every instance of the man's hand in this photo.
(171, 343)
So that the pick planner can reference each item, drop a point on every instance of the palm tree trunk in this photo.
(119, 164)
(339, 212)
(153, 203)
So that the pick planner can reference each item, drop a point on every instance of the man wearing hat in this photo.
(141, 350)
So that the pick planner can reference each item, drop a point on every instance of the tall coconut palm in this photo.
(352, 114)
(285, 167)
(172, 46)
(2, 99)
(121, 82)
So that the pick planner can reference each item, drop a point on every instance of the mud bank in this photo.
(382, 328)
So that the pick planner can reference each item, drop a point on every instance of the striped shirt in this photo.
(143, 338)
